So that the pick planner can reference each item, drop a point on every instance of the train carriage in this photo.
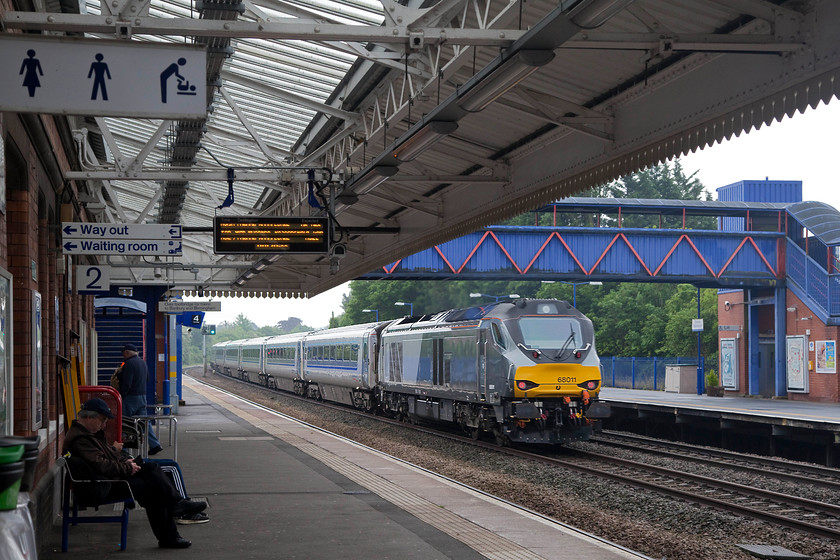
(226, 355)
(337, 364)
(217, 362)
(284, 362)
(251, 360)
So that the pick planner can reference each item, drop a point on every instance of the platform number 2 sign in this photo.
(93, 279)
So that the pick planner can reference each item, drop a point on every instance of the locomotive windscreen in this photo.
(550, 332)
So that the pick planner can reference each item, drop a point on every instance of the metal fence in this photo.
(643, 373)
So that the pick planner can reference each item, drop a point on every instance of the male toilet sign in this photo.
(62, 75)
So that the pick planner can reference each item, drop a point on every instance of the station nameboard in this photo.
(234, 235)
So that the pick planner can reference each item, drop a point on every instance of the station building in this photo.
(801, 314)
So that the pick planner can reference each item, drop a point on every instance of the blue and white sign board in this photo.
(84, 238)
(87, 230)
(151, 247)
(93, 279)
(73, 76)
(193, 319)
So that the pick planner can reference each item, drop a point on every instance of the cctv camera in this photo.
(339, 251)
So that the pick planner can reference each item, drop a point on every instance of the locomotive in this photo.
(524, 370)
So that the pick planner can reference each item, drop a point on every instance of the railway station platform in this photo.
(807, 431)
(277, 488)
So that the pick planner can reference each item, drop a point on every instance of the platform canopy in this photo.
(410, 124)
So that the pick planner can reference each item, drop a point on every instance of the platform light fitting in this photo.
(432, 133)
(377, 175)
(518, 67)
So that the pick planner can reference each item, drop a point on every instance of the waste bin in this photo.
(30, 458)
(11, 472)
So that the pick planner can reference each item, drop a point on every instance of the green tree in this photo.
(680, 309)
(629, 320)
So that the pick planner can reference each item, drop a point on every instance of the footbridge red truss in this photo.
(701, 257)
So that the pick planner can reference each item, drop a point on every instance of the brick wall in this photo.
(734, 315)
(823, 387)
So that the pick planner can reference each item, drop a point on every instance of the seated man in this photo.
(85, 440)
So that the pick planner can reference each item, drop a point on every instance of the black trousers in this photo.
(156, 493)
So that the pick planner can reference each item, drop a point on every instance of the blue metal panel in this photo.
(761, 191)
(773, 191)
(554, 258)
(620, 254)
(834, 294)
(734, 192)
(729, 223)
(780, 331)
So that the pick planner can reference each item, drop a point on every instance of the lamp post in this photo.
(495, 298)
(409, 304)
(372, 311)
(574, 286)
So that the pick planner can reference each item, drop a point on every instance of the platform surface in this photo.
(760, 409)
(280, 489)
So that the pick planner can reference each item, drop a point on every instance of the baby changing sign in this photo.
(106, 78)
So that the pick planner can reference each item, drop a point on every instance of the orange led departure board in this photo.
(237, 234)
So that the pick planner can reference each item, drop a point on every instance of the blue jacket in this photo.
(133, 377)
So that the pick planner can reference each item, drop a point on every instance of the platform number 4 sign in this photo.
(93, 279)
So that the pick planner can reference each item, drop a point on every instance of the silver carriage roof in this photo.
(499, 310)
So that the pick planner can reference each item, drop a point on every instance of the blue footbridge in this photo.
(763, 248)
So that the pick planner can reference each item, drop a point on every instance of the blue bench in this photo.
(82, 490)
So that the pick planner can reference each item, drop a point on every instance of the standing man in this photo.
(132, 388)
(85, 440)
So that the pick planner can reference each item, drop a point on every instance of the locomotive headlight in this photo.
(525, 385)
(590, 385)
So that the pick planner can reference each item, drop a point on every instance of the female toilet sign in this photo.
(62, 75)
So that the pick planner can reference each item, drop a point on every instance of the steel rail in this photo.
(828, 478)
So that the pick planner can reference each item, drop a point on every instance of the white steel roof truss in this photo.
(244, 120)
(291, 97)
(375, 124)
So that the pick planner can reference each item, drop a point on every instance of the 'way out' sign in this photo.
(96, 77)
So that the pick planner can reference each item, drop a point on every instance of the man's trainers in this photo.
(188, 507)
(193, 519)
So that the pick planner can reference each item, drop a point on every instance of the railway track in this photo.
(808, 516)
(800, 473)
